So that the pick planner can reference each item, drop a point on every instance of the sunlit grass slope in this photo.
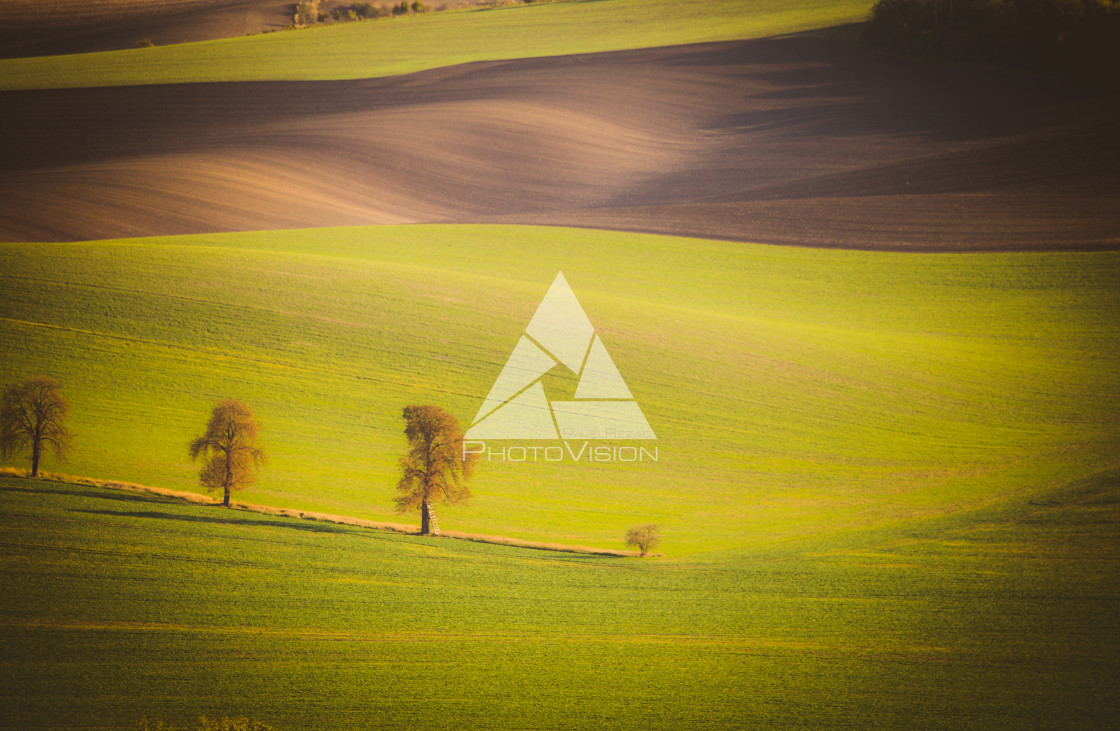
(115, 606)
(797, 394)
(414, 43)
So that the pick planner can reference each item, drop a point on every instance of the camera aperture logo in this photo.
(560, 336)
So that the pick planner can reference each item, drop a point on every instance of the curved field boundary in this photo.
(397, 46)
(403, 528)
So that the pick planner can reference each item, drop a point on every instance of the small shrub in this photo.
(644, 537)
(365, 10)
(145, 43)
(306, 13)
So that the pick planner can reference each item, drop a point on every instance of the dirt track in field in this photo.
(804, 141)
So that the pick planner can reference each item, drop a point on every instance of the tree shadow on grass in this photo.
(233, 519)
(83, 491)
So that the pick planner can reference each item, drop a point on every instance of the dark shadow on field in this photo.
(54, 488)
(234, 519)
(812, 86)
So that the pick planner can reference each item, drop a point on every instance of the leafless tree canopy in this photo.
(230, 442)
(644, 537)
(33, 415)
(434, 468)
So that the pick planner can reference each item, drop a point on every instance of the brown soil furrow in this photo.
(804, 141)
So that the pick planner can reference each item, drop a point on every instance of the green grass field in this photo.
(124, 606)
(888, 484)
(796, 393)
(415, 43)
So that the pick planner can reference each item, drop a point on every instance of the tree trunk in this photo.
(228, 482)
(36, 451)
(428, 525)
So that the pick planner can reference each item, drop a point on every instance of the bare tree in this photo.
(230, 442)
(434, 468)
(644, 537)
(32, 414)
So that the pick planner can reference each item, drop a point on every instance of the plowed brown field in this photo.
(802, 140)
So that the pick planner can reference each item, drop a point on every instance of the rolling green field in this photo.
(125, 606)
(796, 393)
(415, 43)
(888, 484)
